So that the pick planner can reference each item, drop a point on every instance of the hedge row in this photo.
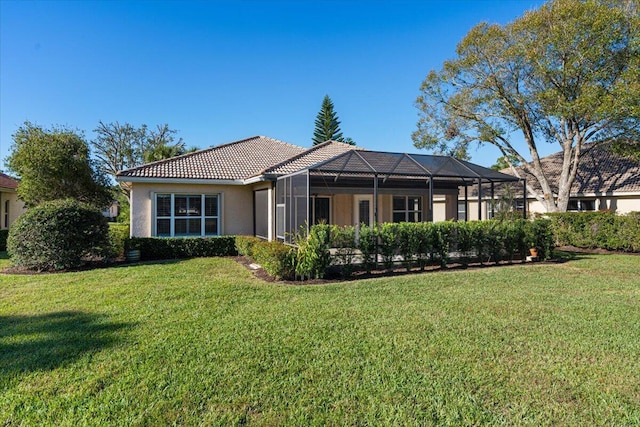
(153, 248)
(387, 245)
(602, 229)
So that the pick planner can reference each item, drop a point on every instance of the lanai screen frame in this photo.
(359, 166)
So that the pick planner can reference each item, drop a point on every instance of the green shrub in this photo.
(464, 240)
(442, 237)
(602, 229)
(388, 237)
(3, 239)
(245, 244)
(278, 259)
(495, 239)
(513, 235)
(58, 235)
(118, 234)
(539, 235)
(158, 248)
(629, 232)
(313, 256)
(425, 237)
(408, 241)
(343, 239)
(367, 241)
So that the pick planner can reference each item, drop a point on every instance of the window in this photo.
(261, 213)
(6, 214)
(183, 215)
(320, 207)
(581, 205)
(407, 209)
(462, 211)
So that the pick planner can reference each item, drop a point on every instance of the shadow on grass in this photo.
(4, 255)
(49, 341)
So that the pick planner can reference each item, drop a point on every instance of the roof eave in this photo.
(157, 180)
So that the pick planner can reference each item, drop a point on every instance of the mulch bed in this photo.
(334, 275)
(597, 251)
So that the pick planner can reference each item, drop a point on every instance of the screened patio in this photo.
(361, 178)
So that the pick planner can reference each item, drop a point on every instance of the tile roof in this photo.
(600, 171)
(7, 182)
(233, 161)
(316, 154)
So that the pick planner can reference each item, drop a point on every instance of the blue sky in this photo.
(226, 70)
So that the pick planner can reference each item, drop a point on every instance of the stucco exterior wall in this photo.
(236, 212)
(16, 208)
(621, 204)
(625, 205)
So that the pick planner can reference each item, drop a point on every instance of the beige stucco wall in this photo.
(16, 208)
(236, 205)
(619, 204)
(627, 204)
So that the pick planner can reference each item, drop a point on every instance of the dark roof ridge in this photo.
(304, 153)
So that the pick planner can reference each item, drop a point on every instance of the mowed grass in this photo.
(202, 342)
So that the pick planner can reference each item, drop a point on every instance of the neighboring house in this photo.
(10, 206)
(269, 188)
(111, 212)
(604, 180)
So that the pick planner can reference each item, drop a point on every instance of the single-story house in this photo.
(604, 181)
(269, 188)
(10, 206)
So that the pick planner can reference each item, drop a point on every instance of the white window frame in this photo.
(406, 211)
(172, 218)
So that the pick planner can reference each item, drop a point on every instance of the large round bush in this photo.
(57, 235)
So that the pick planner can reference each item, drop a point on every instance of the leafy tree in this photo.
(567, 74)
(55, 164)
(630, 149)
(504, 162)
(328, 125)
(118, 147)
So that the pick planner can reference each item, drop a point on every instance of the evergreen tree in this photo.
(327, 124)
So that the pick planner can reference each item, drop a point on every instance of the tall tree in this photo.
(566, 74)
(327, 124)
(118, 147)
(55, 164)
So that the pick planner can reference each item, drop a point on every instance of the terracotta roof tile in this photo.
(7, 182)
(234, 161)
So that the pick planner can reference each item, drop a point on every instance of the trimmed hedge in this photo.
(3, 240)
(58, 235)
(602, 229)
(245, 244)
(278, 259)
(415, 244)
(118, 234)
(158, 248)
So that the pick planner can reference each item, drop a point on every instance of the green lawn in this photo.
(202, 342)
